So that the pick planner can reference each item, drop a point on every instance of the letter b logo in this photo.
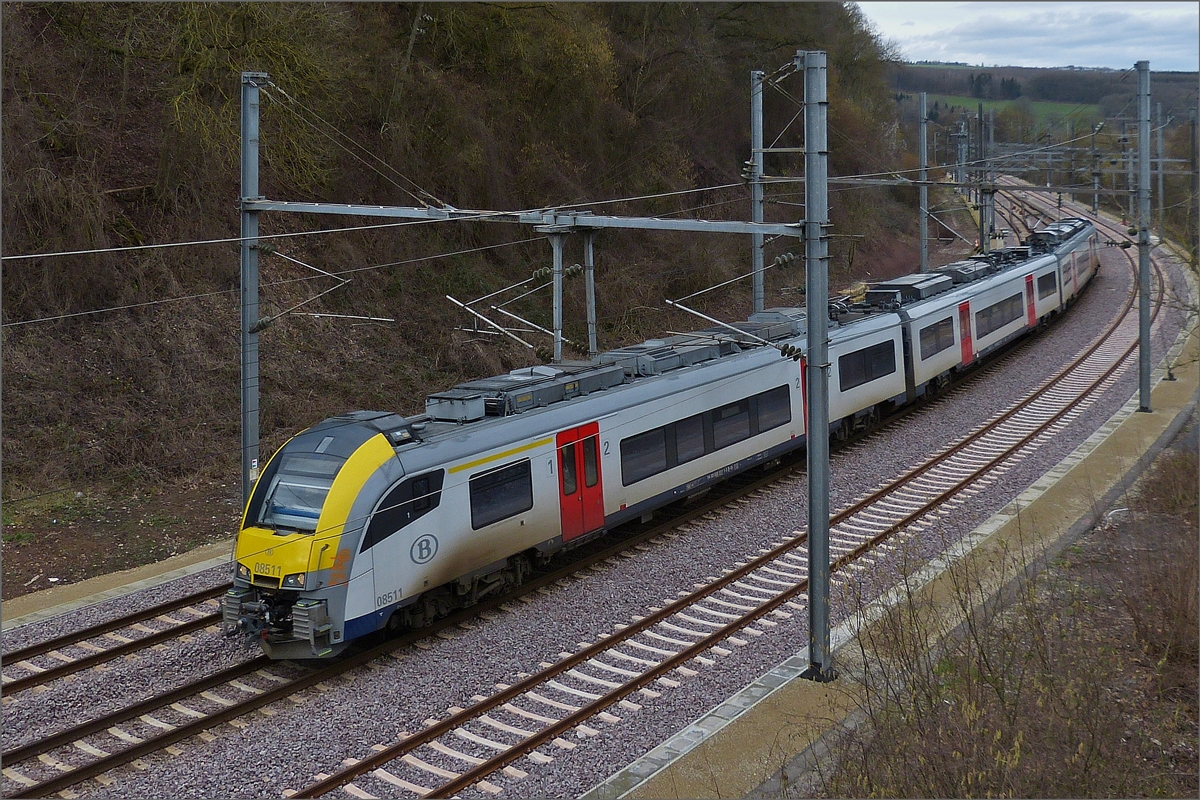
(424, 548)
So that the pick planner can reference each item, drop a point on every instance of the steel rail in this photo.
(112, 625)
(480, 771)
(80, 664)
(605, 643)
(17, 754)
(160, 741)
(552, 731)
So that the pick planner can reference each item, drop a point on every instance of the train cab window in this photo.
(421, 497)
(1047, 285)
(296, 491)
(591, 462)
(731, 424)
(566, 461)
(410, 500)
(501, 493)
(774, 408)
(937, 337)
(689, 439)
(866, 365)
(643, 455)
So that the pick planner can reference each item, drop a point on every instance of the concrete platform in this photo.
(779, 725)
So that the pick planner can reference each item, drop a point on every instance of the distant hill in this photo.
(1059, 107)
(1112, 91)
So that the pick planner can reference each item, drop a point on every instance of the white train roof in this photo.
(481, 407)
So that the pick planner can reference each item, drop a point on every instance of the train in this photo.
(372, 521)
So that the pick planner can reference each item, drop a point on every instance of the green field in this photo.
(1045, 112)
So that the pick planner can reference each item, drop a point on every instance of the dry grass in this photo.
(1080, 682)
(1158, 573)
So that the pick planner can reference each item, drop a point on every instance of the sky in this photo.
(1042, 34)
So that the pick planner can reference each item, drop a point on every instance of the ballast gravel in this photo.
(373, 705)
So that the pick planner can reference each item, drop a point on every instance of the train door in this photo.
(1030, 308)
(581, 488)
(804, 390)
(964, 330)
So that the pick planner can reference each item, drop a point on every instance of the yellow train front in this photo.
(295, 554)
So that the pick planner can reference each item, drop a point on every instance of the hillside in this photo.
(1111, 91)
(121, 403)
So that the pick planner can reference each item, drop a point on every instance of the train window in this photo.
(866, 365)
(652, 452)
(997, 315)
(774, 408)
(643, 455)
(731, 424)
(501, 493)
(408, 501)
(296, 492)
(937, 337)
(591, 463)
(689, 439)
(1047, 285)
(566, 458)
(421, 498)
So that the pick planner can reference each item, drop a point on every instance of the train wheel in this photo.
(426, 609)
(395, 623)
(520, 569)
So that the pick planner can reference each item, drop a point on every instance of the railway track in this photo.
(158, 722)
(56, 762)
(74, 652)
(582, 689)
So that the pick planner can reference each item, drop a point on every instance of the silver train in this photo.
(372, 520)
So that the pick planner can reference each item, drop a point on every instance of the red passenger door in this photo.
(1030, 308)
(581, 488)
(964, 332)
(804, 390)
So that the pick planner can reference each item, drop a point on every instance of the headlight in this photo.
(243, 571)
(295, 581)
